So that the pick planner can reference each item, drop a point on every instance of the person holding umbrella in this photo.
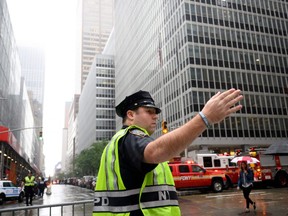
(245, 182)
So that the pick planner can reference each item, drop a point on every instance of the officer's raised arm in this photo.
(171, 144)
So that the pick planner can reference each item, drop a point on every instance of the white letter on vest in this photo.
(97, 200)
(105, 201)
(162, 195)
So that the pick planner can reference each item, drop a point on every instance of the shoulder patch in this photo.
(137, 132)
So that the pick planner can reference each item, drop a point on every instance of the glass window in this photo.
(193, 10)
(196, 169)
(183, 168)
(207, 161)
(217, 163)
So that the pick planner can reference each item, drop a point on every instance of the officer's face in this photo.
(146, 118)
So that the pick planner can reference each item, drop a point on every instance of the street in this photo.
(270, 201)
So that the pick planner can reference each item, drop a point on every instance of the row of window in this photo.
(246, 109)
(236, 39)
(245, 133)
(277, 30)
(201, 55)
(242, 77)
(104, 135)
(265, 7)
(105, 73)
(104, 62)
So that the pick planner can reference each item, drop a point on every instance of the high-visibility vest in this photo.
(29, 181)
(157, 195)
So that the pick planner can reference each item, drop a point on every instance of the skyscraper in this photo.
(97, 20)
(32, 61)
(184, 52)
(96, 117)
(19, 147)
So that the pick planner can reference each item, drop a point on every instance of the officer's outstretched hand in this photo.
(222, 105)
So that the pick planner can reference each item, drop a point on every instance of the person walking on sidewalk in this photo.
(245, 182)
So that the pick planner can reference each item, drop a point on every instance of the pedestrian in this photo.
(134, 177)
(29, 187)
(41, 186)
(245, 182)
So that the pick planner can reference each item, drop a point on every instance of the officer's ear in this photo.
(130, 114)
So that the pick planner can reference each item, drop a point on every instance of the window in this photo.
(6, 184)
(183, 169)
(207, 161)
(231, 164)
(217, 163)
(196, 169)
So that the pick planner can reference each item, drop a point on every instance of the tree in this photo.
(88, 161)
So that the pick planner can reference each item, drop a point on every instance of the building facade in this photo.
(64, 162)
(183, 52)
(72, 134)
(97, 20)
(96, 117)
(18, 138)
(32, 62)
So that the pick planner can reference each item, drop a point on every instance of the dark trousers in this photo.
(29, 193)
(246, 193)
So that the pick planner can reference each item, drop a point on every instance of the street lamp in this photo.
(18, 129)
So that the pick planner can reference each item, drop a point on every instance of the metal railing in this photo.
(35, 210)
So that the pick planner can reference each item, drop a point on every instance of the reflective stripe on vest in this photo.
(152, 196)
(112, 198)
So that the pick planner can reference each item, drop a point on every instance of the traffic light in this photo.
(40, 135)
(164, 127)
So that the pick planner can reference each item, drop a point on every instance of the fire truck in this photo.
(219, 162)
(189, 175)
(271, 169)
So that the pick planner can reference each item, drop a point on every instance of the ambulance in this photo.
(219, 162)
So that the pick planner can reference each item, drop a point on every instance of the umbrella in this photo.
(277, 149)
(248, 159)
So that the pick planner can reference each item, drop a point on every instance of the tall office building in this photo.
(32, 61)
(97, 20)
(64, 161)
(17, 143)
(184, 52)
(96, 117)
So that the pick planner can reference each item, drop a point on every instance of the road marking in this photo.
(234, 194)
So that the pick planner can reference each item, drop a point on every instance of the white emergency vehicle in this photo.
(8, 191)
(219, 162)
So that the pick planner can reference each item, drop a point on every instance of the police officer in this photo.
(29, 187)
(134, 176)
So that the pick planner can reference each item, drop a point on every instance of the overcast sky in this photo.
(50, 24)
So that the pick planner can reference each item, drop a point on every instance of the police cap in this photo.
(138, 99)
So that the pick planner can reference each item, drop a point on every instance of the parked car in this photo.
(8, 191)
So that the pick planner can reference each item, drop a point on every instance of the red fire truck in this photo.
(271, 169)
(219, 162)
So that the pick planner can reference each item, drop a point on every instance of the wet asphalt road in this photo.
(270, 201)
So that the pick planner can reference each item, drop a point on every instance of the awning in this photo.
(278, 149)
